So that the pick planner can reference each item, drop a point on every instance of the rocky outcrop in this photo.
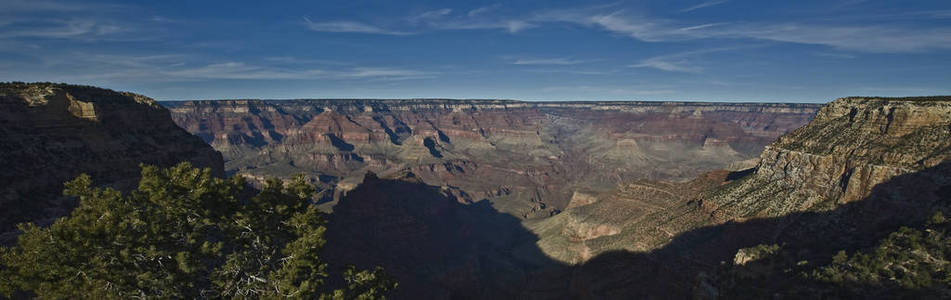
(851, 146)
(859, 172)
(51, 133)
(862, 165)
(528, 158)
(634, 217)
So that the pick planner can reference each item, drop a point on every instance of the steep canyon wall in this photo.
(527, 158)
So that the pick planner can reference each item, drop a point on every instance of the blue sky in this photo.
(705, 50)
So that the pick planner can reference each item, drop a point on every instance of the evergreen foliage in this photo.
(909, 259)
(908, 263)
(182, 234)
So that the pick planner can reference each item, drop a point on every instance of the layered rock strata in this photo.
(860, 171)
(528, 158)
(851, 147)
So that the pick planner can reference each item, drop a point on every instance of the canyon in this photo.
(529, 159)
(863, 170)
(510, 199)
(597, 192)
(450, 195)
(852, 146)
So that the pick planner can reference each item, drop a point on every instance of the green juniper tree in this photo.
(182, 234)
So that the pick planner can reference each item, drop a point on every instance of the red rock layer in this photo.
(528, 157)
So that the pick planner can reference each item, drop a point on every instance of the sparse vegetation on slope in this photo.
(182, 234)
(51, 133)
(908, 263)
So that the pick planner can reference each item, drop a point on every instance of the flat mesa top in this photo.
(500, 102)
(937, 98)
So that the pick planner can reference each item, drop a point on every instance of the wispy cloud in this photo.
(29, 6)
(548, 61)
(239, 70)
(166, 20)
(698, 27)
(704, 4)
(645, 31)
(81, 66)
(477, 21)
(684, 62)
(432, 20)
(610, 90)
(670, 64)
(292, 60)
(619, 22)
(871, 38)
(86, 29)
(512, 26)
(864, 38)
(350, 27)
(483, 10)
(835, 55)
(124, 61)
(573, 72)
(383, 73)
(430, 15)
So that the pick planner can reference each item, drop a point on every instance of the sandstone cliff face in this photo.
(862, 169)
(844, 156)
(851, 146)
(51, 133)
(528, 158)
(629, 218)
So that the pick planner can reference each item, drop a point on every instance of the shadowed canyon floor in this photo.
(810, 202)
(818, 189)
(507, 199)
(434, 244)
(851, 146)
(531, 160)
(443, 249)
(688, 265)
